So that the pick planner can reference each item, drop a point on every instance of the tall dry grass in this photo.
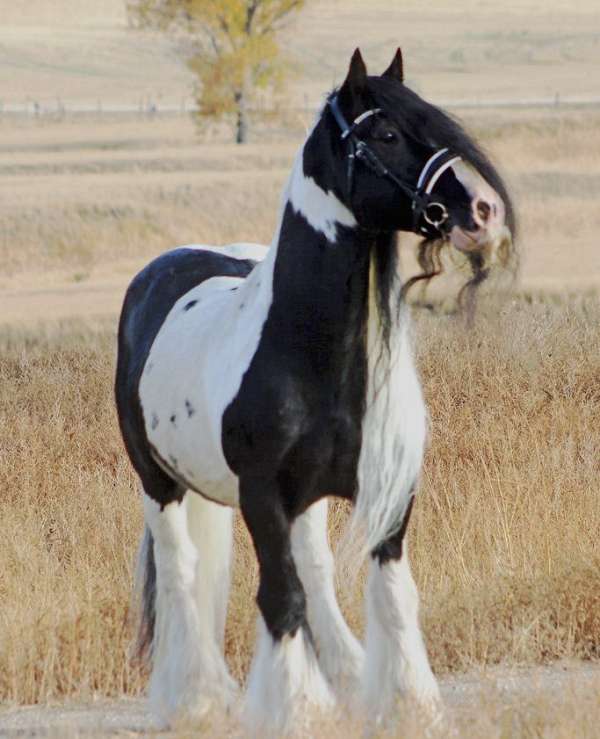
(504, 538)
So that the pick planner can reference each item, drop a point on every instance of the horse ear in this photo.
(356, 78)
(396, 68)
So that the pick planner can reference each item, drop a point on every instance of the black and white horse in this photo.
(271, 378)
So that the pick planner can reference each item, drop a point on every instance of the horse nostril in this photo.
(483, 210)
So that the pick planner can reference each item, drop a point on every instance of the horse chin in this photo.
(494, 247)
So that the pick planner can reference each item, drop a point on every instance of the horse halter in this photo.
(430, 217)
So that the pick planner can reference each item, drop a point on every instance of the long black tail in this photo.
(145, 597)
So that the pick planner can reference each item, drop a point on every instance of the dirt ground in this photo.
(56, 297)
(461, 695)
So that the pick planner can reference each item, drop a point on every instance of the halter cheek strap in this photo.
(427, 213)
(349, 135)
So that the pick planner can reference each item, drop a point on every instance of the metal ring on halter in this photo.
(431, 219)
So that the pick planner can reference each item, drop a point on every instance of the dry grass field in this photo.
(504, 538)
(85, 203)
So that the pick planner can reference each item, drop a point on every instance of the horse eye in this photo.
(389, 137)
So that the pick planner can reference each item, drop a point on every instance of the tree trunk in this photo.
(241, 126)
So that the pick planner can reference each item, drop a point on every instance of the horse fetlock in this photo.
(283, 609)
(401, 679)
(418, 681)
(188, 692)
(343, 666)
(286, 688)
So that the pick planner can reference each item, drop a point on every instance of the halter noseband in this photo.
(428, 214)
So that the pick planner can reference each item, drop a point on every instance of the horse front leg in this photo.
(285, 683)
(340, 653)
(396, 666)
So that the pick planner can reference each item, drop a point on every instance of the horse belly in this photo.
(186, 385)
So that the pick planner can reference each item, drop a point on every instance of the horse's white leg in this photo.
(189, 676)
(396, 659)
(211, 529)
(340, 653)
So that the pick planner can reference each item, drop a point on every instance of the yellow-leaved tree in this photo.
(235, 49)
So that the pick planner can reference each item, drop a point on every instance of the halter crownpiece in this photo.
(426, 212)
(357, 121)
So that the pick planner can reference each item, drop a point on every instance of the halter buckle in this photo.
(433, 218)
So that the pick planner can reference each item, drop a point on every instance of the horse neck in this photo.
(322, 274)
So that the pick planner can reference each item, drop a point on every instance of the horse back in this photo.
(155, 290)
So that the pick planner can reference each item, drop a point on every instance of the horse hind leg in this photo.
(188, 674)
(340, 653)
(211, 529)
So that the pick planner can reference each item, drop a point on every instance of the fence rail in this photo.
(149, 108)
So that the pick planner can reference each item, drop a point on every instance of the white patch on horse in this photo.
(322, 210)
(285, 685)
(397, 665)
(340, 653)
(194, 366)
(189, 676)
(393, 429)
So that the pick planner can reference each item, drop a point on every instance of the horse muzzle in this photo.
(487, 230)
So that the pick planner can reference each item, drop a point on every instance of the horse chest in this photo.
(296, 419)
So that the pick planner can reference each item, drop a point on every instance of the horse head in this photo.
(411, 167)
